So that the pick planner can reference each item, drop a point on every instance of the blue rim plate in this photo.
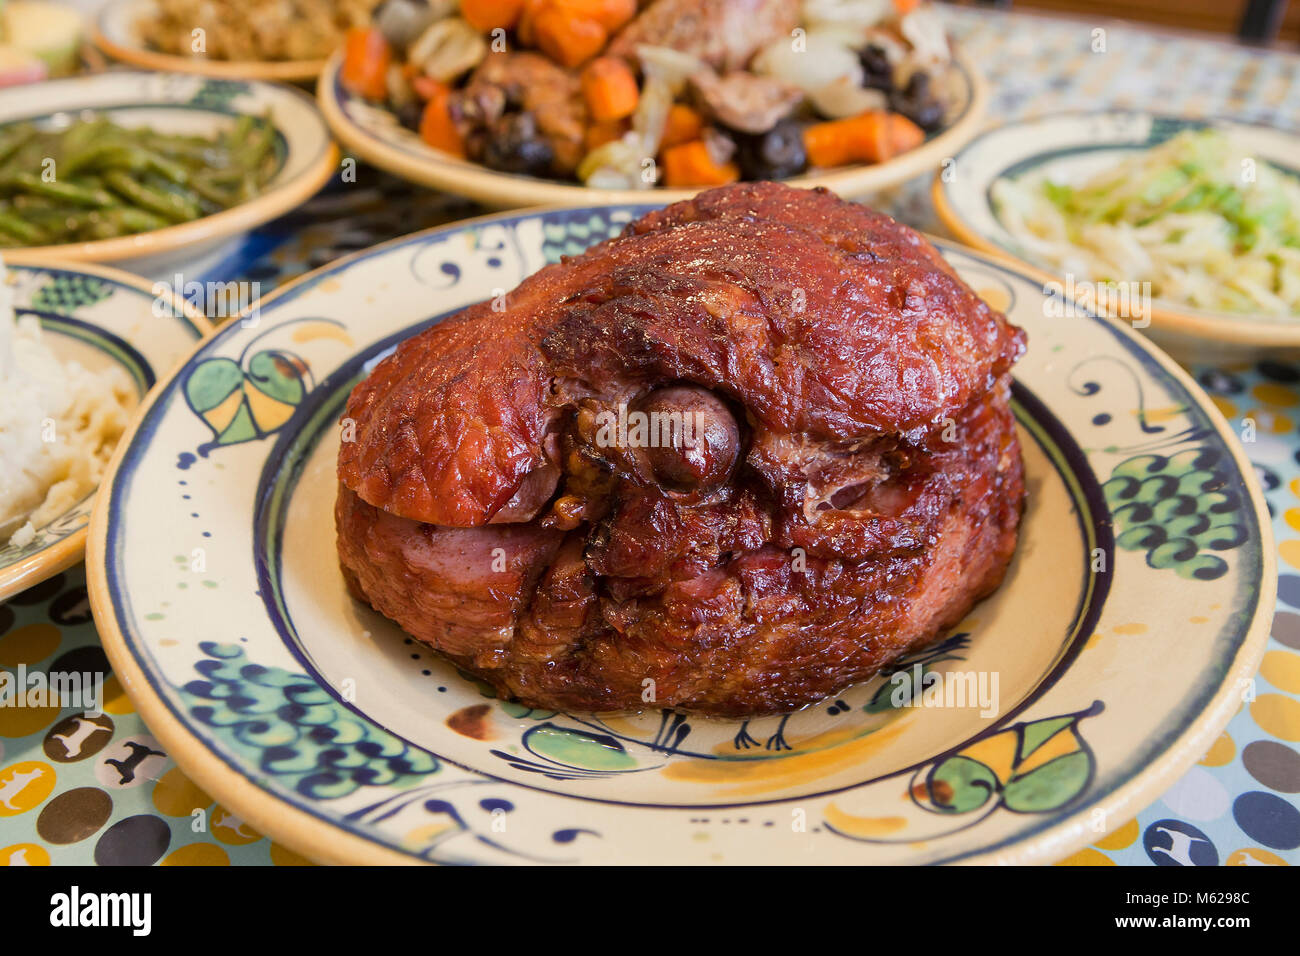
(97, 316)
(1122, 641)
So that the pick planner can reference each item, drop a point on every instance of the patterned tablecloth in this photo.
(75, 790)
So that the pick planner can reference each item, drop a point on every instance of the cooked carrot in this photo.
(858, 139)
(366, 56)
(613, 15)
(618, 14)
(904, 7)
(526, 29)
(488, 15)
(870, 137)
(904, 134)
(610, 14)
(827, 144)
(567, 39)
(684, 124)
(691, 164)
(598, 134)
(437, 128)
(609, 87)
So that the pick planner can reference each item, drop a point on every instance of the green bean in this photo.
(242, 129)
(109, 224)
(103, 156)
(81, 135)
(203, 153)
(183, 193)
(14, 138)
(227, 177)
(210, 189)
(27, 157)
(134, 220)
(173, 206)
(98, 180)
(136, 158)
(63, 221)
(255, 148)
(68, 192)
(166, 168)
(24, 203)
(23, 230)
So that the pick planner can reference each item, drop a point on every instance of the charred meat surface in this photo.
(751, 450)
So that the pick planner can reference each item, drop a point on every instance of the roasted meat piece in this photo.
(522, 113)
(734, 460)
(744, 101)
(725, 34)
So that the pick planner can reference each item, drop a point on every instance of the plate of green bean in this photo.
(150, 170)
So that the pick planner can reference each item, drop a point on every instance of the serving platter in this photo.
(178, 103)
(1072, 146)
(1120, 644)
(375, 135)
(116, 33)
(97, 317)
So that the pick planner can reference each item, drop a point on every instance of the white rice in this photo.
(58, 425)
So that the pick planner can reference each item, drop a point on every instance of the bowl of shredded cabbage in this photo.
(1189, 229)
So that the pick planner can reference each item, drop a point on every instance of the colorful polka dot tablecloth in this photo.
(83, 789)
(1238, 806)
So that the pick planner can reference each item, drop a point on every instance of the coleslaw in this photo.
(1198, 217)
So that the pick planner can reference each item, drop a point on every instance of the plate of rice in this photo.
(80, 346)
(1187, 228)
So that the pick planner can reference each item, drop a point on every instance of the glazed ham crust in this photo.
(857, 488)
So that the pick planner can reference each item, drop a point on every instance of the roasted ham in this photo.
(830, 477)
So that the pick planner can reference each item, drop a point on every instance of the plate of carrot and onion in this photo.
(522, 102)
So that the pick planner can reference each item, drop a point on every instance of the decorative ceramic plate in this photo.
(375, 134)
(1121, 642)
(97, 317)
(117, 33)
(183, 104)
(1070, 147)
